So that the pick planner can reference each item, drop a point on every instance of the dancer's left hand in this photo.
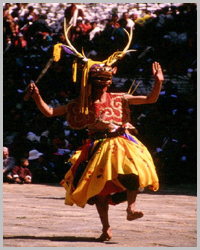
(157, 71)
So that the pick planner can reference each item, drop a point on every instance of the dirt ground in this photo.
(35, 216)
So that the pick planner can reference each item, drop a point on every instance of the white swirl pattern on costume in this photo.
(114, 112)
(76, 119)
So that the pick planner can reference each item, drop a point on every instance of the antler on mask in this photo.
(120, 54)
(88, 63)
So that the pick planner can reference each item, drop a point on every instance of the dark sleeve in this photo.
(10, 164)
(15, 170)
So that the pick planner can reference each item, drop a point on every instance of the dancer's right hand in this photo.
(32, 91)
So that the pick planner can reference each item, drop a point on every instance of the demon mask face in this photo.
(100, 75)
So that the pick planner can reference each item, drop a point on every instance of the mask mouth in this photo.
(101, 78)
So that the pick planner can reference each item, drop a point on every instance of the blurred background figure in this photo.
(41, 169)
(72, 13)
(8, 165)
(22, 174)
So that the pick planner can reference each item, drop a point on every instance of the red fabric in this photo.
(115, 110)
(22, 172)
(110, 188)
(75, 118)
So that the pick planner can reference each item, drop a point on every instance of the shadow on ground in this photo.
(57, 238)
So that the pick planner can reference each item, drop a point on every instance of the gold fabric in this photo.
(115, 156)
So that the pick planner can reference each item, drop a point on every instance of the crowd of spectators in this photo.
(168, 128)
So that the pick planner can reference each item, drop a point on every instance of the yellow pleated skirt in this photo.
(118, 155)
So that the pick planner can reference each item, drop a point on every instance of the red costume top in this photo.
(114, 110)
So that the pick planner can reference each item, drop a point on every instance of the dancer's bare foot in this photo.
(106, 235)
(133, 215)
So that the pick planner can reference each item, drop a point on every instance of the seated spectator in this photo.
(87, 27)
(95, 30)
(39, 26)
(134, 17)
(20, 44)
(7, 19)
(115, 21)
(60, 141)
(77, 34)
(8, 165)
(18, 13)
(72, 12)
(129, 22)
(144, 19)
(34, 155)
(9, 24)
(30, 16)
(22, 174)
(7, 44)
(42, 170)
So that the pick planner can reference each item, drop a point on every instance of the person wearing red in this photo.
(87, 27)
(71, 14)
(22, 174)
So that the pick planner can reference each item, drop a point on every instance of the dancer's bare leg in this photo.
(131, 213)
(102, 208)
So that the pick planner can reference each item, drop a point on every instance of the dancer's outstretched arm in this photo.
(154, 94)
(42, 105)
